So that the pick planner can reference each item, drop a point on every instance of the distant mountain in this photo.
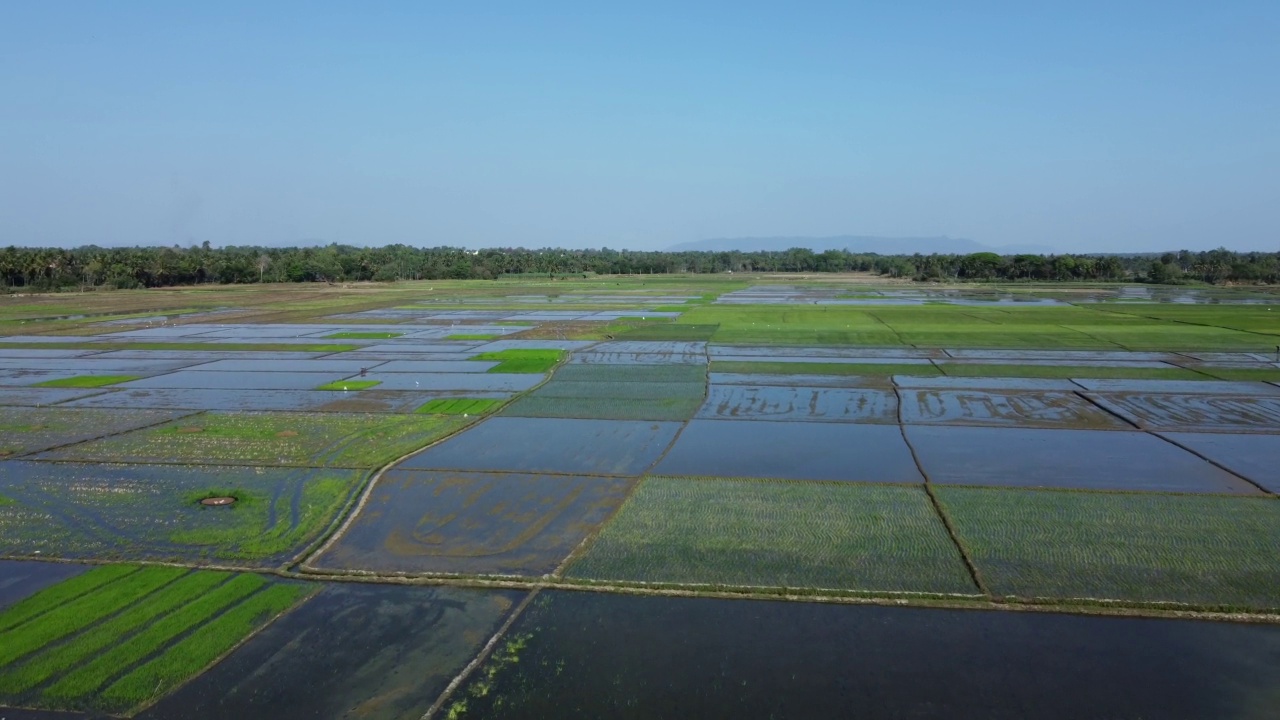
(858, 243)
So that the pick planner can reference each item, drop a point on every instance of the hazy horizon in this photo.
(1091, 127)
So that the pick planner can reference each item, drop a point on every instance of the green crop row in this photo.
(191, 654)
(521, 360)
(83, 611)
(87, 381)
(350, 385)
(85, 681)
(62, 593)
(459, 406)
(100, 637)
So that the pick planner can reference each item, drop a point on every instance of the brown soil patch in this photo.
(574, 330)
(287, 433)
(218, 501)
(192, 429)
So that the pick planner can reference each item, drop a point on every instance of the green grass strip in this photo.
(459, 406)
(96, 639)
(188, 656)
(747, 367)
(363, 336)
(85, 680)
(83, 611)
(87, 381)
(476, 336)
(1245, 374)
(57, 595)
(350, 385)
(522, 360)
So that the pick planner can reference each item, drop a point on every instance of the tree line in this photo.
(52, 269)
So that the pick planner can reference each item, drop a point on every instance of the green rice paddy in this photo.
(708, 531)
(266, 438)
(522, 361)
(363, 335)
(87, 381)
(1199, 550)
(344, 385)
(460, 406)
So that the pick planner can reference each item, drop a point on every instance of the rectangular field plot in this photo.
(201, 380)
(439, 522)
(1077, 459)
(1256, 457)
(35, 397)
(1209, 413)
(196, 399)
(1180, 387)
(68, 510)
(605, 408)
(993, 383)
(811, 404)
(631, 374)
(570, 446)
(367, 651)
(1008, 409)
(306, 439)
(719, 378)
(624, 656)
(793, 451)
(782, 534)
(118, 636)
(25, 430)
(1214, 551)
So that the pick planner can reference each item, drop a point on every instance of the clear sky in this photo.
(1083, 126)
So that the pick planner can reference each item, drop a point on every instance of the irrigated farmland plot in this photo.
(366, 651)
(811, 404)
(316, 440)
(1211, 413)
(424, 522)
(153, 511)
(24, 577)
(538, 445)
(611, 401)
(791, 450)
(118, 636)
(1215, 551)
(780, 534)
(26, 430)
(1081, 459)
(1256, 457)
(1008, 409)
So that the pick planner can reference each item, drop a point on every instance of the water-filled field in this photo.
(638, 497)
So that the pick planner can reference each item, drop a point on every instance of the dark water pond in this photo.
(588, 655)
(359, 651)
(18, 579)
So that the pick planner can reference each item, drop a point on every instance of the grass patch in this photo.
(97, 639)
(459, 406)
(80, 687)
(522, 360)
(85, 610)
(271, 438)
(209, 641)
(473, 336)
(747, 367)
(62, 593)
(781, 534)
(350, 385)
(87, 381)
(1206, 550)
(363, 335)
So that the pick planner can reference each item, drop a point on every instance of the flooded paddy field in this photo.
(979, 447)
(473, 523)
(586, 655)
(107, 512)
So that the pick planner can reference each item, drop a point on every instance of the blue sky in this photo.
(1083, 126)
